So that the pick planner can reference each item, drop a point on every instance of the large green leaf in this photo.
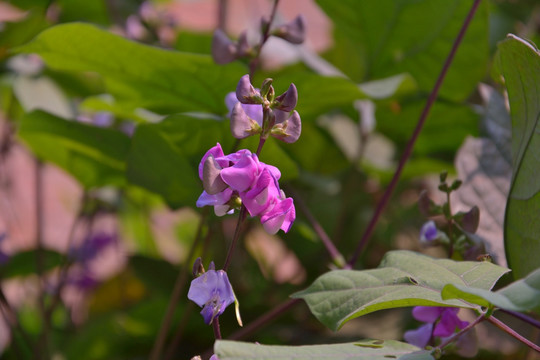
(519, 64)
(404, 278)
(146, 76)
(366, 349)
(94, 156)
(521, 295)
(388, 37)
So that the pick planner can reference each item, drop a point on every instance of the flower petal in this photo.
(419, 337)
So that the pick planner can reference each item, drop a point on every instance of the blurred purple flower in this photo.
(213, 292)
(428, 233)
(440, 322)
(92, 246)
(4, 258)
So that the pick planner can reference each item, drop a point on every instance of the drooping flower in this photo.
(240, 178)
(440, 322)
(294, 31)
(213, 292)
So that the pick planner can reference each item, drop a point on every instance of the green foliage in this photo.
(139, 75)
(519, 63)
(94, 156)
(522, 295)
(403, 279)
(365, 349)
(391, 37)
(25, 263)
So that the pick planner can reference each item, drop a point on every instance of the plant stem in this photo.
(237, 231)
(450, 227)
(513, 333)
(11, 318)
(336, 256)
(254, 63)
(410, 144)
(222, 15)
(454, 337)
(217, 330)
(181, 279)
(529, 320)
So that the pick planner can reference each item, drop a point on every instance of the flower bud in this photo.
(428, 233)
(265, 87)
(242, 125)
(287, 101)
(224, 50)
(246, 93)
(212, 182)
(287, 129)
(293, 32)
(198, 268)
(471, 219)
(242, 47)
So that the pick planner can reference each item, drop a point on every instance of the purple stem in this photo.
(408, 149)
(498, 323)
(454, 337)
(529, 320)
(217, 330)
(255, 61)
(236, 236)
(177, 291)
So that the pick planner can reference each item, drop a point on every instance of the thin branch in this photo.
(222, 15)
(254, 63)
(181, 280)
(336, 256)
(237, 231)
(454, 337)
(408, 149)
(498, 323)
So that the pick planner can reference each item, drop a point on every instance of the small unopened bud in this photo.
(265, 87)
(288, 100)
(198, 268)
(287, 129)
(443, 175)
(265, 23)
(246, 93)
(242, 47)
(471, 219)
(212, 182)
(224, 50)
(294, 31)
(242, 125)
(456, 184)
(429, 233)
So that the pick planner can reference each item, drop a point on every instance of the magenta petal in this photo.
(428, 314)
(281, 217)
(241, 175)
(264, 194)
(216, 152)
(448, 323)
(419, 337)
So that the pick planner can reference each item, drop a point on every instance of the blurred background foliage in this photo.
(120, 106)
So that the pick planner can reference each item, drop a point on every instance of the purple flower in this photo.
(240, 178)
(428, 233)
(4, 258)
(440, 322)
(294, 32)
(92, 246)
(213, 292)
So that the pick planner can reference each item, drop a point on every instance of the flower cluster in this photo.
(261, 112)
(240, 178)
(440, 322)
(213, 292)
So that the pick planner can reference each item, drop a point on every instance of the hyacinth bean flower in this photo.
(440, 322)
(246, 112)
(213, 292)
(240, 178)
(428, 233)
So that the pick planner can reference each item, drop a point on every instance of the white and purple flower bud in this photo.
(224, 50)
(246, 93)
(293, 32)
(288, 100)
(242, 125)
(287, 127)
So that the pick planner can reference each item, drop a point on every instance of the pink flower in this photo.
(240, 178)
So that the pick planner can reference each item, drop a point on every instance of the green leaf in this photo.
(365, 349)
(521, 295)
(404, 278)
(519, 63)
(157, 275)
(94, 156)
(146, 76)
(24, 263)
(388, 37)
